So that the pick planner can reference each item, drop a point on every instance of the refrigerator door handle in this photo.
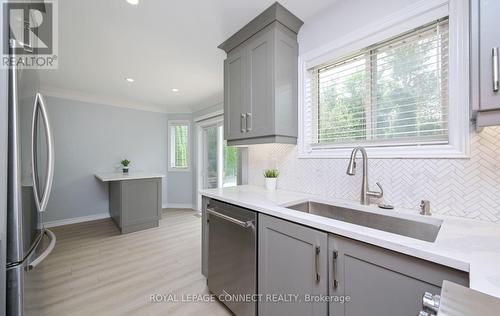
(41, 204)
(46, 252)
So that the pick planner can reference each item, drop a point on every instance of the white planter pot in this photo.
(125, 169)
(271, 184)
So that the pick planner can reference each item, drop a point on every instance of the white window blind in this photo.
(394, 93)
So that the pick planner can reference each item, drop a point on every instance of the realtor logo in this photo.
(32, 33)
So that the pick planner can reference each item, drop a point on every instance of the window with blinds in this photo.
(179, 145)
(394, 93)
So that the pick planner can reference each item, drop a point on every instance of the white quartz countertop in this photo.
(464, 244)
(120, 176)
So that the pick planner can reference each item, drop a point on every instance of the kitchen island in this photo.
(135, 199)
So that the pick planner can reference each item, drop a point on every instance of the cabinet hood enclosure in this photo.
(260, 80)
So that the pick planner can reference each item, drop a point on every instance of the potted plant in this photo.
(125, 163)
(271, 175)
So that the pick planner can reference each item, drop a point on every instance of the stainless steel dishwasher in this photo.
(232, 256)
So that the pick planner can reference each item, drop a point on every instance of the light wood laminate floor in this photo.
(94, 270)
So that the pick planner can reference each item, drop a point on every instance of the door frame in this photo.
(200, 125)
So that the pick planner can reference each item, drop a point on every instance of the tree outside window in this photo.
(179, 145)
(395, 92)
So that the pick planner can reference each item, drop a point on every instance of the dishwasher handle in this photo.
(244, 224)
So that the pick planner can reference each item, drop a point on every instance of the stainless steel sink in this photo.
(422, 230)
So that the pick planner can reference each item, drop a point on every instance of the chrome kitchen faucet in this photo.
(351, 170)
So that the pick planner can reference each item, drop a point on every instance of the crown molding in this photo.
(213, 100)
(111, 101)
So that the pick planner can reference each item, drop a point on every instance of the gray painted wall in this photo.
(336, 21)
(92, 138)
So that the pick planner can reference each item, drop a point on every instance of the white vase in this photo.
(271, 184)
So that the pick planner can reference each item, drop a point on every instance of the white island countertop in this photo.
(120, 176)
(468, 245)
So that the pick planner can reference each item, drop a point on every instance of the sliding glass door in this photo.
(211, 158)
(219, 161)
(230, 165)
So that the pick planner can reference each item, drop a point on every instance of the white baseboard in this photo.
(178, 205)
(75, 220)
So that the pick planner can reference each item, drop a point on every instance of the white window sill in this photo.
(403, 152)
(170, 169)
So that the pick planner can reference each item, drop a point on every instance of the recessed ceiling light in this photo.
(133, 2)
(175, 90)
(130, 79)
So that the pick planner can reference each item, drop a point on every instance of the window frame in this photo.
(412, 17)
(172, 123)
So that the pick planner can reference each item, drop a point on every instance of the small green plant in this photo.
(125, 162)
(271, 173)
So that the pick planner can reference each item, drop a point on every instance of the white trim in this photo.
(216, 99)
(178, 205)
(220, 155)
(214, 120)
(199, 161)
(171, 123)
(411, 17)
(416, 152)
(75, 220)
(111, 101)
(208, 116)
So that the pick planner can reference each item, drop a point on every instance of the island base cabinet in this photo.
(292, 266)
(372, 281)
(135, 204)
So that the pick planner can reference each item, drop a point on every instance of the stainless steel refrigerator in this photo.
(30, 174)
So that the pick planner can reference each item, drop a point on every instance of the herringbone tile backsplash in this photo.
(459, 187)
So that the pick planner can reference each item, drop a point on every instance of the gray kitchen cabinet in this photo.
(485, 46)
(380, 282)
(235, 103)
(260, 80)
(259, 58)
(135, 204)
(291, 260)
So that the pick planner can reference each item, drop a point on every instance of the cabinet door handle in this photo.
(316, 262)
(243, 123)
(249, 122)
(494, 56)
(431, 302)
(335, 282)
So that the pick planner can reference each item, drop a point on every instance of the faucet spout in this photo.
(351, 170)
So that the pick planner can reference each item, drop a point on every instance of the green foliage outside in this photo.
(402, 99)
(211, 138)
(181, 143)
(342, 110)
(230, 161)
(409, 99)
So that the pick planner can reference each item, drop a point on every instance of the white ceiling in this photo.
(162, 44)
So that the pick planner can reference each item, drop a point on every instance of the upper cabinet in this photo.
(485, 45)
(260, 80)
